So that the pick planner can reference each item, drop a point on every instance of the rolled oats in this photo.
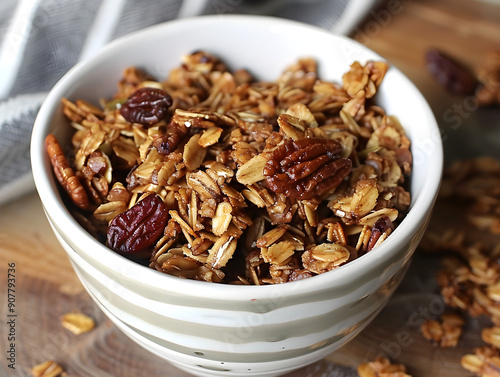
(77, 323)
(484, 362)
(47, 369)
(470, 277)
(444, 332)
(264, 182)
(382, 367)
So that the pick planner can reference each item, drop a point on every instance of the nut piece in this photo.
(147, 106)
(485, 362)
(139, 227)
(306, 168)
(454, 77)
(167, 143)
(444, 332)
(77, 323)
(380, 231)
(47, 369)
(65, 174)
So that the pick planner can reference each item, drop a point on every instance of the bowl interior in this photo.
(264, 46)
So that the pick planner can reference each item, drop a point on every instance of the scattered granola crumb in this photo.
(47, 369)
(470, 278)
(382, 367)
(77, 323)
(491, 336)
(444, 332)
(234, 158)
(484, 362)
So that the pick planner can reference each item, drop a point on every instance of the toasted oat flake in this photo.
(278, 253)
(252, 171)
(484, 362)
(444, 332)
(47, 369)
(77, 323)
(222, 219)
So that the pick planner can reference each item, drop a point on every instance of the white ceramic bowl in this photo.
(221, 330)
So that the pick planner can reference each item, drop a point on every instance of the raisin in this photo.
(147, 106)
(139, 227)
(449, 73)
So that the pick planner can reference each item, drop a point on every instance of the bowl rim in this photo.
(55, 209)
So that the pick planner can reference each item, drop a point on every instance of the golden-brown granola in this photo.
(77, 323)
(491, 335)
(264, 182)
(47, 369)
(382, 367)
(445, 331)
(484, 362)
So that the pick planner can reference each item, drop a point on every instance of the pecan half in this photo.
(65, 174)
(170, 140)
(306, 168)
(147, 106)
(139, 227)
(449, 73)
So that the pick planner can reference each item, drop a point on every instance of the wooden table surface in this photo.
(46, 286)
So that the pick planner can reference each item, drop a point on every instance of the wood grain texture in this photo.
(47, 287)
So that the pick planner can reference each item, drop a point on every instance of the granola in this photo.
(382, 367)
(470, 280)
(47, 369)
(484, 362)
(260, 182)
(444, 332)
(77, 323)
(470, 277)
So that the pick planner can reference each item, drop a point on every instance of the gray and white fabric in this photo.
(42, 39)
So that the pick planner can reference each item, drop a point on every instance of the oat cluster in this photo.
(48, 368)
(445, 331)
(382, 367)
(470, 278)
(261, 182)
